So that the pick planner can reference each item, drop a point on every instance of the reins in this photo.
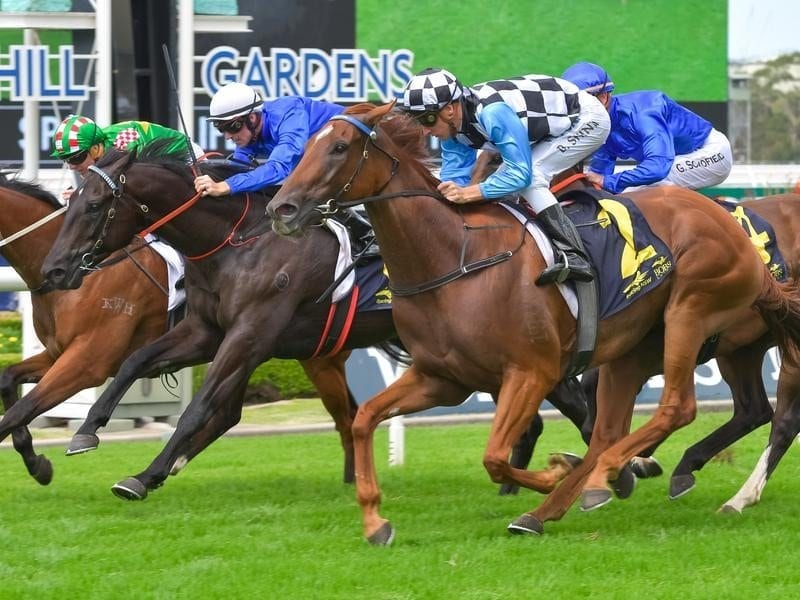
(334, 204)
(32, 227)
(118, 192)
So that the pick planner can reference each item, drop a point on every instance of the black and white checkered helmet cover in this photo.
(431, 90)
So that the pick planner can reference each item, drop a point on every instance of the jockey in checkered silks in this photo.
(540, 125)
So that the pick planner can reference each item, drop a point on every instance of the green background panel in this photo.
(678, 46)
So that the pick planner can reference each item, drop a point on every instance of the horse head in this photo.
(91, 230)
(332, 170)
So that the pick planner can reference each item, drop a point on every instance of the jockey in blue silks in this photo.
(671, 144)
(276, 130)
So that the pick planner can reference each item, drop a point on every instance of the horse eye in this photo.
(339, 148)
(93, 207)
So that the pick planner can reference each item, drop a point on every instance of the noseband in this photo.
(334, 204)
(88, 260)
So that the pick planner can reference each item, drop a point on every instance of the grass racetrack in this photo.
(268, 517)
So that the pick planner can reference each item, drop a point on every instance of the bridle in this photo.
(334, 204)
(89, 259)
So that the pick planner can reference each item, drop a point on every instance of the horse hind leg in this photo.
(785, 427)
(615, 398)
(751, 409)
(28, 371)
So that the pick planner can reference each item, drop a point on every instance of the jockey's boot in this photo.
(571, 259)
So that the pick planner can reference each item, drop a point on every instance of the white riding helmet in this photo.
(233, 100)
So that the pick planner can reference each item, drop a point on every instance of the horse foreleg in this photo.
(522, 452)
(412, 392)
(328, 376)
(189, 343)
(223, 387)
(615, 397)
(29, 370)
(751, 409)
(520, 397)
(785, 426)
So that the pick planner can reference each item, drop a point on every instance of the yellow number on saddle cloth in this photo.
(631, 258)
(759, 240)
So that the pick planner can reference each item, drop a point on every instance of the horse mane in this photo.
(407, 136)
(159, 152)
(28, 188)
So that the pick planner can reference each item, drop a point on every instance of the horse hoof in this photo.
(130, 489)
(527, 524)
(625, 483)
(566, 459)
(680, 485)
(646, 467)
(42, 471)
(82, 442)
(729, 509)
(592, 499)
(383, 537)
(508, 489)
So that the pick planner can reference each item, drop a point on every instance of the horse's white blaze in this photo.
(750, 492)
(323, 132)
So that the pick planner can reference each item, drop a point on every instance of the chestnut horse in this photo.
(251, 296)
(741, 370)
(492, 329)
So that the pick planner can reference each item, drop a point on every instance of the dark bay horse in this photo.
(492, 329)
(86, 333)
(251, 296)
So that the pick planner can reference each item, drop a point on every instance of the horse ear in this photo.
(377, 113)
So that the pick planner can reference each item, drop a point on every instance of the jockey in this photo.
(80, 142)
(671, 144)
(276, 130)
(540, 125)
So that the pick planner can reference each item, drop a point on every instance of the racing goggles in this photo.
(234, 126)
(77, 159)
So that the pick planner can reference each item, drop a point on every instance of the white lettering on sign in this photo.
(25, 74)
(343, 75)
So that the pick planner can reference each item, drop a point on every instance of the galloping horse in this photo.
(740, 369)
(492, 329)
(87, 333)
(251, 296)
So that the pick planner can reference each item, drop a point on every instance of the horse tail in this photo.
(779, 306)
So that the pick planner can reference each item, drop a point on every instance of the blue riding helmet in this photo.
(589, 77)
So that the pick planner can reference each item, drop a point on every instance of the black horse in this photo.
(252, 295)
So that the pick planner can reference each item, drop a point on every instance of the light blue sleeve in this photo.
(457, 162)
(508, 134)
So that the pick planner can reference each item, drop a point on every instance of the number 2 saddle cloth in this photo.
(627, 255)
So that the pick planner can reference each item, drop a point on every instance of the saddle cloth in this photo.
(628, 257)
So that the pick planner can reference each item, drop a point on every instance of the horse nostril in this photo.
(55, 275)
(285, 211)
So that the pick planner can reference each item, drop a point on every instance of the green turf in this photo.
(269, 518)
